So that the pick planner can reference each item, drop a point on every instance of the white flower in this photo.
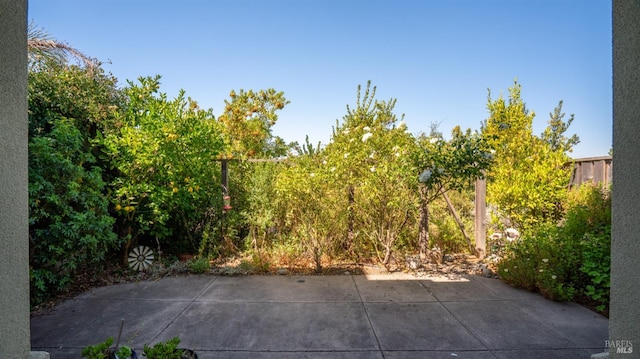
(373, 168)
(324, 162)
(506, 269)
(346, 155)
(545, 260)
(333, 169)
(366, 128)
(433, 140)
(372, 154)
(397, 154)
(512, 233)
(554, 276)
(366, 136)
(312, 174)
(541, 270)
(346, 131)
(424, 176)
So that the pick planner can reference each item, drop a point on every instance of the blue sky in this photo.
(436, 57)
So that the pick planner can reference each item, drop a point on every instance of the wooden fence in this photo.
(591, 170)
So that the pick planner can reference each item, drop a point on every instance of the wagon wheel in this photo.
(140, 258)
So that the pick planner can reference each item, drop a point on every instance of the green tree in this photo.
(530, 177)
(69, 224)
(248, 118)
(554, 134)
(164, 154)
(447, 165)
(370, 156)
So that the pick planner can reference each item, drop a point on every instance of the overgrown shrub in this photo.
(588, 222)
(571, 260)
(69, 223)
(70, 226)
(529, 177)
(164, 154)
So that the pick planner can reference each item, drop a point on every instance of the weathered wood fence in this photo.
(591, 170)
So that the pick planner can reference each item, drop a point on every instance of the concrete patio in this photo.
(344, 316)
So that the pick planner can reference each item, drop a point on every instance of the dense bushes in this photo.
(69, 224)
(109, 167)
(571, 260)
(529, 177)
(163, 155)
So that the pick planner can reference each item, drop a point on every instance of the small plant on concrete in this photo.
(164, 350)
(199, 265)
(105, 351)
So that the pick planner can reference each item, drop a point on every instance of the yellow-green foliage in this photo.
(530, 175)
(164, 153)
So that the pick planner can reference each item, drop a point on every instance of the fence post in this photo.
(480, 218)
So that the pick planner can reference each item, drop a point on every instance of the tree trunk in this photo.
(127, 246)
(350, 218)
(387, 256)
(423, 231)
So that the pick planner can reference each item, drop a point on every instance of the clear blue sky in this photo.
(436, 57)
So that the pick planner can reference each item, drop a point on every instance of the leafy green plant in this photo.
(588, 225)
(199, 265)
(529, 177)
(163, 154)
(568, 261)
(164, 350)
(69, 222)
(104, 351)
(447, 165)
(519, 265)
(259, 211)
(596, 265)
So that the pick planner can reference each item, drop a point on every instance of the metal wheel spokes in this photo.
(140, 258)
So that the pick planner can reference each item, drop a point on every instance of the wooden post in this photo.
(423, 231)
(481, 216)
(225, 177)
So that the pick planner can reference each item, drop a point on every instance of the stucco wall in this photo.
(14, 245)
(624, 320)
